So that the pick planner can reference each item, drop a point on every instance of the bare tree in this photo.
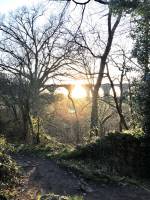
(35, 49)
(83, 45)
(111, 32)
(123, 62)
(119, 101)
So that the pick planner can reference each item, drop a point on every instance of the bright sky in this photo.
(8, 5)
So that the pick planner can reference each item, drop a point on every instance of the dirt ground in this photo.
(45, 176)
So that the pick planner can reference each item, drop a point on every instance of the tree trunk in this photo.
(27, 123)
(77, 129)
(38, 131)
(118, 106)
(95, 95)
(94, 112)
(111, 32)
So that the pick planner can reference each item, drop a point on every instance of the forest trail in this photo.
(45, 176)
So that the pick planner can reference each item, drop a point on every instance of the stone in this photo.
(53, 197)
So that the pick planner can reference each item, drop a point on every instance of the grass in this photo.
(90, 171)
(92, 161)
(49, 148)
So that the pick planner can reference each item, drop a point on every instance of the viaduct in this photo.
(106, 87)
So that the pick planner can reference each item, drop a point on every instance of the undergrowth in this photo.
(9, 170)
(117, 158)
(48, 147)
(115, 154)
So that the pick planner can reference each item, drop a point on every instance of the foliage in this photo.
(127, 6)
(4, 146)
(141, 35)
(141, 51)
(48, 147)
(136, 118)
(9, 171)
(14, 94)
(117, 154)
(143, 101)
(136, 132)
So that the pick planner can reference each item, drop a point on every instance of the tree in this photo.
(141, 35)
(119, 100)
(103, 59)
(8, 94)
(126, 4)
(141, 31)
(35, 49)
(14, 96)
(141, 50)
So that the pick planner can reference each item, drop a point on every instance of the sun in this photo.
(78, 92)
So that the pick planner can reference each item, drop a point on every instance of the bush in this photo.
(119, 154)
(4, 146)
(8, 168)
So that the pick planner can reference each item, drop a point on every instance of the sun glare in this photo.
(78, 92)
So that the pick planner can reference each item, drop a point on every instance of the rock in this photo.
(50, 197)
(53, 197)
(63, 198)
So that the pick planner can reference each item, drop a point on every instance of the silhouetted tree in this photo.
(33, 48)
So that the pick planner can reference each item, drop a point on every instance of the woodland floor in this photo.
(43, 176)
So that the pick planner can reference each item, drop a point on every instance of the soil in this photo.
(42, 176)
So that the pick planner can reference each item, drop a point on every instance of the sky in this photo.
(10, 5)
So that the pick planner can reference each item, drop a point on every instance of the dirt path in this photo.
(45, 176)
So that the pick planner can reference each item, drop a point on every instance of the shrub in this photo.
(119, 154)
(8, 167)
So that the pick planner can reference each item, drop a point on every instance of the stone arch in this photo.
(104, 91)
